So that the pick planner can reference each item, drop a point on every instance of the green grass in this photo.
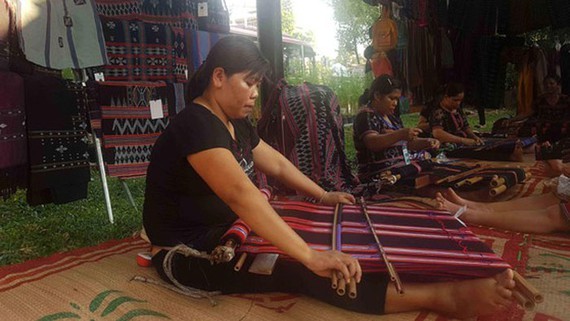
(31, 232)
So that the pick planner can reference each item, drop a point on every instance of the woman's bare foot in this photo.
(469, 215)
(555, 167)
(451, 196)
(471, 298)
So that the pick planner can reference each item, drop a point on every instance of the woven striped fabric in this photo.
(494, 148)
(127, 129)
(423, 245)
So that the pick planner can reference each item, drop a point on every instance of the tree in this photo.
(287, 17)
(288, 25)
(354, 18)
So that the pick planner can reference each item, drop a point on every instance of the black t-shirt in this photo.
(179, 206)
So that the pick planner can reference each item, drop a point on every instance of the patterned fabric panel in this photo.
(13, 147)
(179, 13)
(142, 51)
(126, 125)
(430, 245)
(310, 135)
(57, 140)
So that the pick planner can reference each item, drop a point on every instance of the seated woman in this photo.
(199, 183)
(550, 120)
(379, 135)
(447, 121)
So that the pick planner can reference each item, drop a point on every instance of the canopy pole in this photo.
(270, 41)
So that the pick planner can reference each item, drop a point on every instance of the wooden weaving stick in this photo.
(460, 175)
(391, 270)
(334, 283)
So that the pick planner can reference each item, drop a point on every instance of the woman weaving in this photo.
(380, 139)
(198, 184)
(446, 119)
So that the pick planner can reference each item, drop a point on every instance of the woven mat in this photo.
(95, 284)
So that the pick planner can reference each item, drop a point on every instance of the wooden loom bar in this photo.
(527, 289)
(334, 283)
(391, 270)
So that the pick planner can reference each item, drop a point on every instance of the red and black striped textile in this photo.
(423, 245)
(494, 149)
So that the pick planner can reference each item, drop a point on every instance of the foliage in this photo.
(288, 25)
(347, 89)
(354, 18)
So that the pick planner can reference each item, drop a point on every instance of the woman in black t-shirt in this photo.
(197, 185)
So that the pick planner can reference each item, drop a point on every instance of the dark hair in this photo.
(452, 89)
(383, 85)
(553, 77)
(364, 98)
(234, 54)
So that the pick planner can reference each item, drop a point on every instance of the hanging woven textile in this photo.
(57, 140)
(137, 50)
(13, 146)
(61, 34)
(129, 116)
(304, 123)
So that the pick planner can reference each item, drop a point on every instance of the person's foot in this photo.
(555, 167)
(451, 196)
(477, 297)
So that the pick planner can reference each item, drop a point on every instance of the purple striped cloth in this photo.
(428, 245)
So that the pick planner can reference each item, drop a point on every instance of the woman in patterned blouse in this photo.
(448, 122)
(380, 138)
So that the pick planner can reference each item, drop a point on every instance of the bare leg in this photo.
(555, 167)
(462, 299)
(525, 203)
(546, 217)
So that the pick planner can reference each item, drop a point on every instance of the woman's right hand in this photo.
(410, 133)
(328, 262)
(469, 141)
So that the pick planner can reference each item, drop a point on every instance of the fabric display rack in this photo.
(109, 73)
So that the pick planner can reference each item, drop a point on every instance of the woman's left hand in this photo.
(479, 141)
(433, 143)
(333, 198)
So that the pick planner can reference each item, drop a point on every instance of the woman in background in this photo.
(380, 139)
(446, 120)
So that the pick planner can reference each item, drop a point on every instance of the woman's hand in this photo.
(328, 262)
(469, 141)
(410, 133)
(479, 140)
(432, 143)
(333, 198)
